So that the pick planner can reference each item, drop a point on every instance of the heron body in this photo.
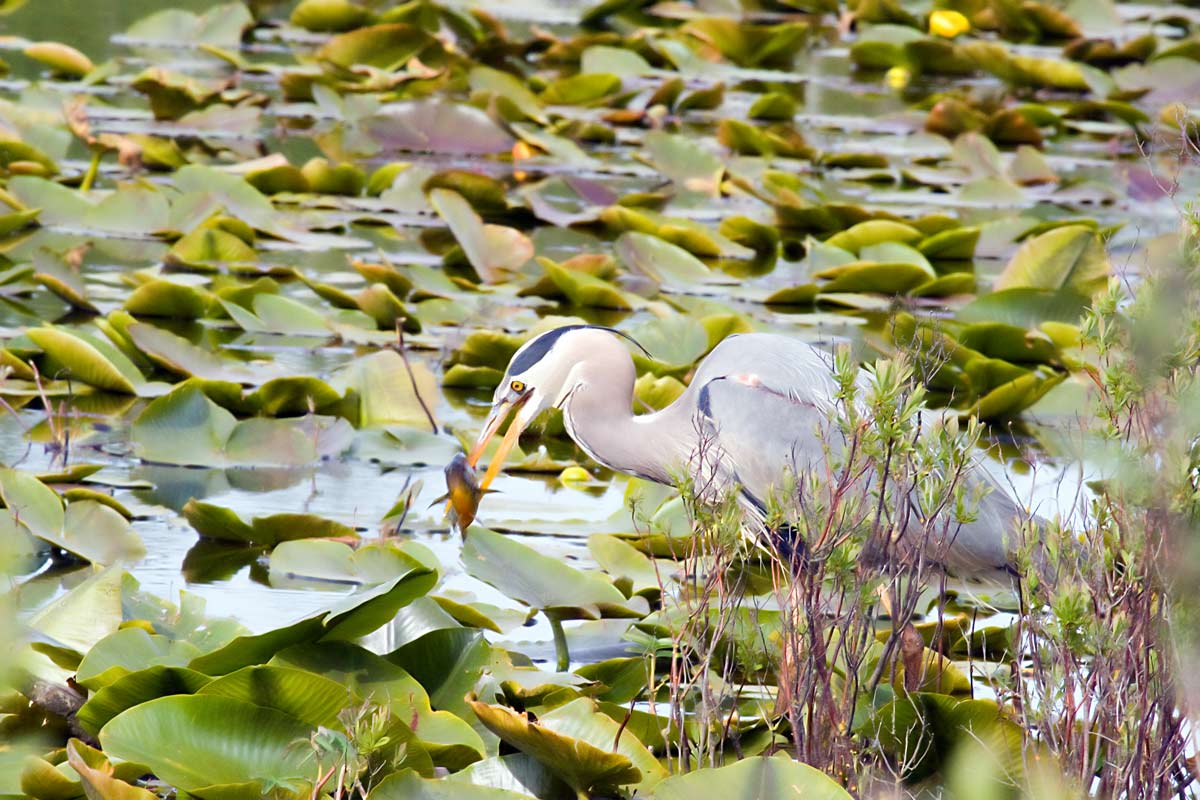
(759, 406)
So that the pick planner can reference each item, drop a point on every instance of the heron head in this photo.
(537, 378)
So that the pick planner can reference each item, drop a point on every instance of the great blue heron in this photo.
(757, 406)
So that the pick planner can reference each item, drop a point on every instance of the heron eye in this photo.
(517, 386)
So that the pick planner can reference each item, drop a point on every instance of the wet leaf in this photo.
(665, 263)
(754, 779)
(386, 395)
(438, 126)
(538, 580)
(61, 58)
(408, 785)
(88, 359)
(1068, 258)
(493, 250)
(873, 232)
(216, 740)
(329, 16)
(384, 47)
(685, 162)
(553, 741)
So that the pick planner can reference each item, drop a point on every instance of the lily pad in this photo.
(576, 743)
(493, 250)
(540, 581)
(1067, 258)
(214, 741)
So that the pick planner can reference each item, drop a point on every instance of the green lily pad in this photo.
(135, 688)
(1067, 258)
(215, 740)
(385, 47)
(882, 278)
(576, 743)
(408, 785)
(386, 394)
(486, 79)
(61, 58)
(582, 289)
(214, 522)
(329, 16)
(347, 619)
(540, 581)
(684, 161)
(127, 651)
(88, 359)
(873, 232)
(163, 298)
(77, 619)
(448, 738)
(493, 250)
(753, 779)
(666, 263)
(301, 560)
(920, 730)
(313, 699)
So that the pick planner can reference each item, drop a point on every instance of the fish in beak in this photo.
(462, 493)
(495, 421)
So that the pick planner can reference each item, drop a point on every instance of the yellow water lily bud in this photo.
(572, 475)
(948, 24)
(897, 77)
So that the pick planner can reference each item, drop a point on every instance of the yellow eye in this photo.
(517, 386)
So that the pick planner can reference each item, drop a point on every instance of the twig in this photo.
(411, 377)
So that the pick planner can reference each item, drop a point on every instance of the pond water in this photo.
(1100, 178)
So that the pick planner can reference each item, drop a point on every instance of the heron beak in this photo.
(495, 420)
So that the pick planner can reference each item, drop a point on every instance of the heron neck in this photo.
(599, 417)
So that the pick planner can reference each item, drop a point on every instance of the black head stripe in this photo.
(539, 347)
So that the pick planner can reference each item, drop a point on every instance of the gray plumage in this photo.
(758, 406)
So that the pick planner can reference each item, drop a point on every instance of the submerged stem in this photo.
(89, 178)
(560, 642)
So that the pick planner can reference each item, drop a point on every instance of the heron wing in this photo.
(766, 406)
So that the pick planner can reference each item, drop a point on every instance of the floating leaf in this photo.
(1067, 258)
(88, 359)
(666, 263)
(329, 16)
(384, 47)
(538, 580)
(753, 779)
(408, 785)
(386, 394)
(874, 232)
(214, 741)
(182, 427)
(684, 161)
(127, 651)
(493, 250)
(438, 126)
(579, 762)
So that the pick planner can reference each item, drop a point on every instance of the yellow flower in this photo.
(948, 24)
(897, 77)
